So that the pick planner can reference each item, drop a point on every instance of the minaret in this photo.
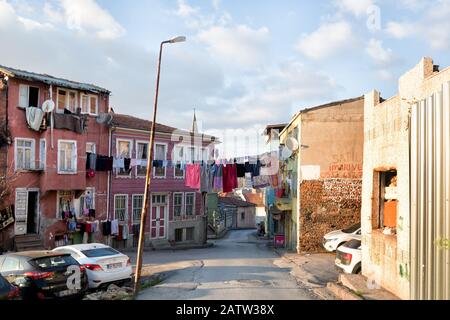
(194, 128)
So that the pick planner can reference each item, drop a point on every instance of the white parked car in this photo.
(334, 239)
(104, 265)
(348, 257)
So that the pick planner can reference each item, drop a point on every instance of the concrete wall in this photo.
(199, 230)
(249, 221)
(386, 147)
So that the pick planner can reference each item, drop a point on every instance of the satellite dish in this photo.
(48, 106)
(286, 153)
(292, 144)
(104, 118)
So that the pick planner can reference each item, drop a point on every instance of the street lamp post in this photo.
(137, 280)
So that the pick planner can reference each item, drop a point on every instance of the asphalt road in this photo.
(238, 267)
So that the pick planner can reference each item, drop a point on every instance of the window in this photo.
(242, 215)
(67, 157)
(142, 157)
(189, 234)
(66, 100)
(124, 151)
(138, 203)
(190, 204)
(159, 199)
(89, 104)
(28, 96)
(178, 235)
(160, 154)
(65, 201)
(87, 200)
(90, 147)
(84, 103)
(177, 204)
(121, 208)
(177, 158)
(385, 200)
(11, 264)
(93, 105)
(42, 154)
(100, 252)
(24, 154)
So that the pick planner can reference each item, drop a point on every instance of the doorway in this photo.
(32, 212)
(159, 216)
(26, 211)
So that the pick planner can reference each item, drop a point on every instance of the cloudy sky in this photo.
(246, 63)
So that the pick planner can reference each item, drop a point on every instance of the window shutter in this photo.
(23, 96)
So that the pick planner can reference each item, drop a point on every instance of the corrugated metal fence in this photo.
(430, 197)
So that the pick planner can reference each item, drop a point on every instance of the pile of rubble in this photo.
(112, 293)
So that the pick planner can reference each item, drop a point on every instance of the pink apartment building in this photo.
(45, 167)
(177, 212)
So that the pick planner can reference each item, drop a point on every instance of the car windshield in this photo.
(100, 252)
(352, 228)
(353, 244)
(55, 262)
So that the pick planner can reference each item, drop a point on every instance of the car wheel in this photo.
(357, 269)
(340, 244)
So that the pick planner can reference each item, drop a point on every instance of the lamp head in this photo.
(178, 39)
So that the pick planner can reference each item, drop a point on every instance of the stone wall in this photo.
(327, 205)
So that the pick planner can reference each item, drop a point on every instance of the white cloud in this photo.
(326, 41)
(30, 24)
(87, 16)
(378, 53)
(414, 4)
(184, 10)
(400, 30)
(239, 44)
(7, 13)
(433, 25)
(356, 7)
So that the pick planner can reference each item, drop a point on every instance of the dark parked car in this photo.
(7, 290)
(44, 275)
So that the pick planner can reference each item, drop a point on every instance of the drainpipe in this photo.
(108, 192)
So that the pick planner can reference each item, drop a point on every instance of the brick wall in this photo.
(3, 100)
(327, 205)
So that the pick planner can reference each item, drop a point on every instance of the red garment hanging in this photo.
(193, 176)
(230, 181)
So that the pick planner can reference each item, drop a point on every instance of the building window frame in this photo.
(74, 163)
(138, 142)
(176, 158)
(42, 154)
(32, 149)
(24, 93)
(125, 214)
(180, 205)
(92, 146)
(166, 147)
(133, 208)
(186, 204)
(67, 102)
(89, 98)
(130, 142)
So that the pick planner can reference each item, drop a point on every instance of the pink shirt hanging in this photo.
(193, 176)
(230, 181)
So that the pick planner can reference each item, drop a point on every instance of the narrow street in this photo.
(237, 267)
